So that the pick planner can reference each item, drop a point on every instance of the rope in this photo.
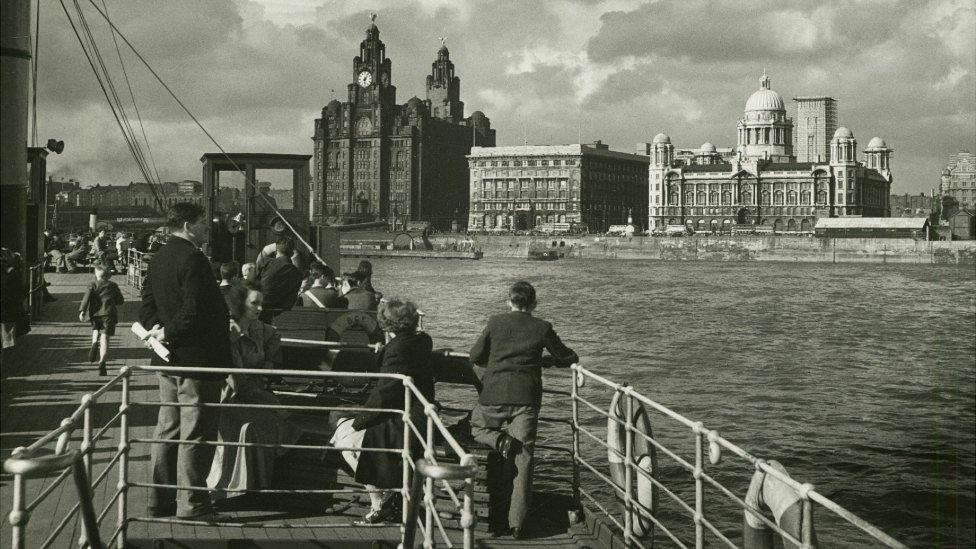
(237, 167)
(115, 113)
(135, 106)
(127, 130)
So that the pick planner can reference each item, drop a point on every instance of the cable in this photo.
(118, 51)
(270, 204)
(107, 98)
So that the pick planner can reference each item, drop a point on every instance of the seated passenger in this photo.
(359, 298)
(229, 272)
(254, 344)
(77, 254)
(407, 352)
(365, 268)
(322, 293)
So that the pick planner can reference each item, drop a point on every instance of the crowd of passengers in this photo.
(206, 323)
(67, 253)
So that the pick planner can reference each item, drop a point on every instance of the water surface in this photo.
(860, 379)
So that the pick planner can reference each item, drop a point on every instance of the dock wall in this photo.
(731, 248)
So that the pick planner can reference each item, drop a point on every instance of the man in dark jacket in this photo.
(357, 297)
(185, 310)
(511, 345)
(280, 280)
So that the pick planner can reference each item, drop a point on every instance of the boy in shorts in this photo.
(100, 307)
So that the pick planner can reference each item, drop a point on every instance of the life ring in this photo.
(644, 457)
(362, 321)
(768, 492)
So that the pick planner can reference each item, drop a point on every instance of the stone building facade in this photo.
(816, 122)
(765, 188)
(959, 179)
(376, 160)
(524, 187)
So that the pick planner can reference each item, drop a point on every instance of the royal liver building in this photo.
(764, 186)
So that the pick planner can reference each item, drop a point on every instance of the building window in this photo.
(543, 162)
(765, 197)
(778, 198)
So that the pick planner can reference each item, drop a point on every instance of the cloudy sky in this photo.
(257, 73)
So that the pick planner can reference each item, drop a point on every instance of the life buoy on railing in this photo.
(644, 456)
(768, 492)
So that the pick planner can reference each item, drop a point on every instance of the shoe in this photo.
(517, 533)
(375, 516)
(93, 353)
(101, 369)
(508, 446)
(162, 511)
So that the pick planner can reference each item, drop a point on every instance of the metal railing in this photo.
(708, 449)
(35, 287)
(136, 265)
(426, 435)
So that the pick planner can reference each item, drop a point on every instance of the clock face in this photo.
(365, 79)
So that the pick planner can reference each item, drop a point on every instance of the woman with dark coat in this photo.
(407, 352)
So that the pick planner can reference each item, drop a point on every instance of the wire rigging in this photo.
(172, 94)
(112, 106)
(135, 106)
(34, 57)
(130, 133)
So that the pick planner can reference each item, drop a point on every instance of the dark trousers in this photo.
(184, 464)
(520, 422)
(75, 257)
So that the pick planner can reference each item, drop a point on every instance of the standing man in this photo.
(186, 311)
(507, 413)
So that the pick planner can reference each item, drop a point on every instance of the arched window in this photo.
(672, 194)
(689, 197)
(778, 198)
(765, 197)
(713, 197)
(745, 197)
(791, 198)
(805, 197)
(821, 197)
(726, 198)
(701, 198)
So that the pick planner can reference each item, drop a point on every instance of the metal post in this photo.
(628, 471)
(88, 518)
(699, 488)
(467, 514)
(429, 484)
(407, 435)
(123, 485)
(19, 516)
(806, 528)
(577, 506)
(88, 401)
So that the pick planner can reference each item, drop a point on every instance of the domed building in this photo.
(763, 188)
(376, 160)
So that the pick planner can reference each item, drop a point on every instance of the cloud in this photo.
(552, 71)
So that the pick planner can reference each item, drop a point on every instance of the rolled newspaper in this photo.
(156, 345)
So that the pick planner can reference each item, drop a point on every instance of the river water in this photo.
(860, 379)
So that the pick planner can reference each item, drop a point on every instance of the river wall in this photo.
(727, 248)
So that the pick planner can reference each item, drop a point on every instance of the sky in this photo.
(257, 73)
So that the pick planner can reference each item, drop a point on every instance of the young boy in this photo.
(507, 412)
(100, 307)
(229, 272)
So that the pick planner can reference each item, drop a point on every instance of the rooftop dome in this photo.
(662, 138)
(765, 99)
(843, 133)
(877, 143)
(707, 147)
(476, 115)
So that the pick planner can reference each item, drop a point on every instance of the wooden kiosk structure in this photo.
(239, 235)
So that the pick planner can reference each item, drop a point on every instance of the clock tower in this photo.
(376, 160)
